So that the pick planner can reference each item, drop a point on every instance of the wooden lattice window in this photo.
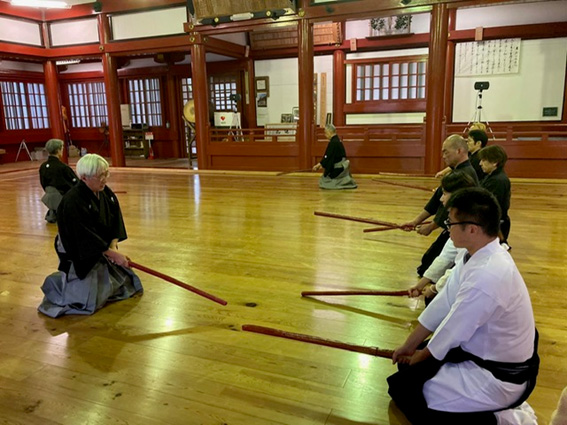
(186, 89)
(221, 88)
(145, 101)
(399, 82)
(25, 105)
(87, 103)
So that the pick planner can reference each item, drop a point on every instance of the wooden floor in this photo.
(171, 357)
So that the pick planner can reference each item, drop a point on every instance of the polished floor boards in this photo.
(172, 357)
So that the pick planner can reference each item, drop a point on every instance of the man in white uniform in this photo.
(482, 357)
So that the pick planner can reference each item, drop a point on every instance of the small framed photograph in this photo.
(262, 100)
(263, 85)
(287, 118)
(295, 113)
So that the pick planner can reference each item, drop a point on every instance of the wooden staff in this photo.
(358, 219)
(382, 229)
(404, 175)
(177, 282)
(373, 351)
(403, 293)
(404, 185)
(283, 173)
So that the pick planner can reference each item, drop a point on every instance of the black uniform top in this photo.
(498, 184)
(334, 153)
(475, 162)
(435, 206)
(55, 173)
(87, 225)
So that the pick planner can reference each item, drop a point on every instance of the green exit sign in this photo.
(550, 112)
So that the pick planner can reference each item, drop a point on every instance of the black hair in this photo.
(457, 180)
(477, 205)
(479, 136)
(494, 154)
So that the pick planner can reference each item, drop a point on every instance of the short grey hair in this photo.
(91, 165)
(53, 146)
(331, 128)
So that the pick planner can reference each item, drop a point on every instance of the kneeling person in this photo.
(336, 166)
(90, 223)
(482, 357)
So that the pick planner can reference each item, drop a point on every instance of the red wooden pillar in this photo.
(436, 87)
(306, 114)
(251, 105)
(339, 88)
(53, 95)
(113, 106)
(173, 113)
(449, 74)
(201, 98)
(112, 88)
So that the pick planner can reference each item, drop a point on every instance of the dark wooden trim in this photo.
(226, 48)
(113, 107)
(564, 115)
(413, 58)
(53, 98)
(450, 70)
(306, 113)
(17, 75)
(436, 87)
(201, 99)
(525, 32)
(339, 88)
(387, 106)
(91, 76)
(169, 43)
(78, 50)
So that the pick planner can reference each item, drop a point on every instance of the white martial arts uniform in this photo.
(485, 309)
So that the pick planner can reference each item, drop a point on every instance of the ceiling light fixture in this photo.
(68, 62)
(48, 4)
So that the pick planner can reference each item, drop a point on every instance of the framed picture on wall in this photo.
(287, 118)
(295, 113)
(263, 85)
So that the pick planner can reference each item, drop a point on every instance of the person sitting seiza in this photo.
(481, 363)
(56, 178)
(91, 270)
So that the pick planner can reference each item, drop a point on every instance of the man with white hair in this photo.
(335, 164)
(91, 271)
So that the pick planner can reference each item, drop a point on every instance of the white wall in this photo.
(21, 66)
(78, 31)
(518, 97)
(512, 14)
(284, 86)
(18, 31)
(149, 24)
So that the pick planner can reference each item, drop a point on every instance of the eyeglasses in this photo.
(449, 224)
(103, 175)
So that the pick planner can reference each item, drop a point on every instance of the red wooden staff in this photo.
(404, 175)
(178, 283)
(358, 219)
(373, 351)
(361, 292)
(283, 173)
(404, 185)
(382, 229)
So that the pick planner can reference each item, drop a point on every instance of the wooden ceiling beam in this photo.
(548, 30)
(223, 47)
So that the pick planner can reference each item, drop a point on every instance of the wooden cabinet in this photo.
(135, 143)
